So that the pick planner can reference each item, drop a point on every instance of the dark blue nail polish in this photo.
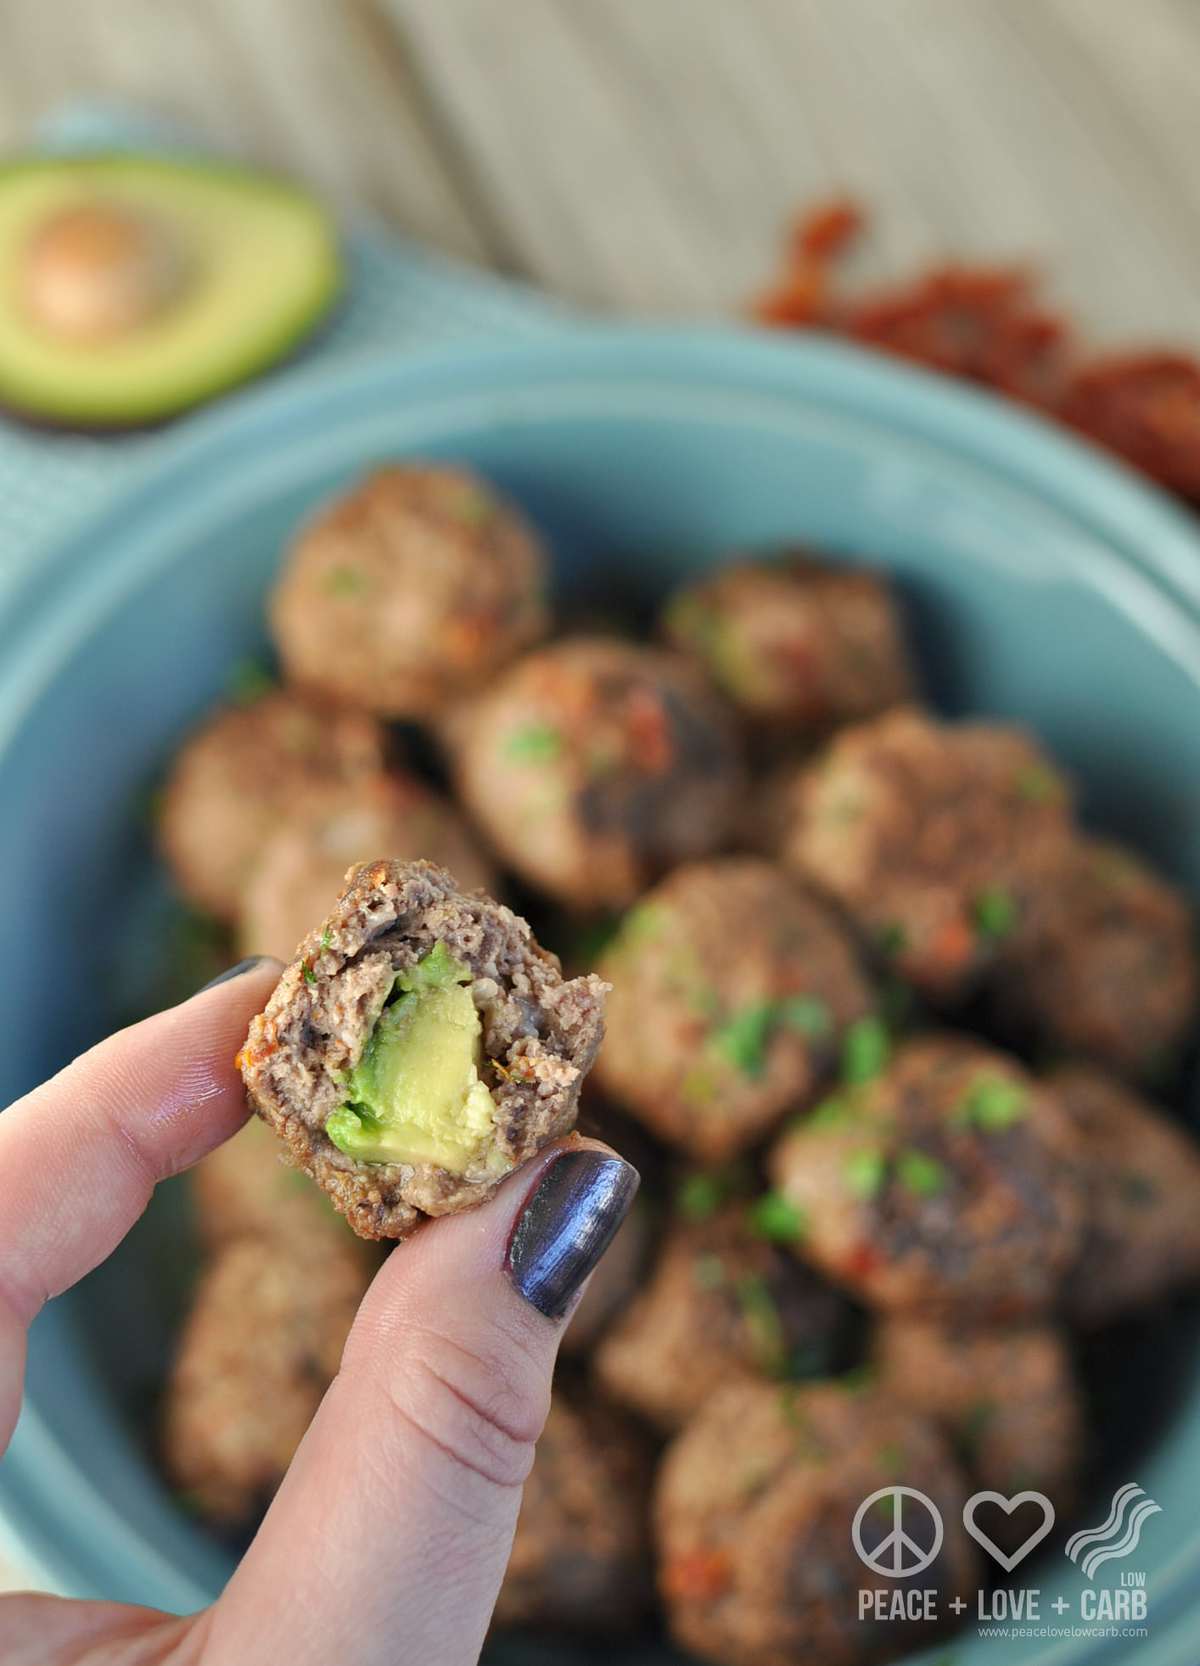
(566, 1225)
(247, 965)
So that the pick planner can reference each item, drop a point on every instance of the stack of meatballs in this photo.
(884, 1027)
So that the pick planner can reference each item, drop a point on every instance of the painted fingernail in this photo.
(243, 966)
(568, 1222)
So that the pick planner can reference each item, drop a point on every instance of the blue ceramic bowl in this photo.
(1045, 585)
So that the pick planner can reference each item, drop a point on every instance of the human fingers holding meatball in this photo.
(402, 1499)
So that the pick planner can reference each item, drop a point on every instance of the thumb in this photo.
(389, 1538)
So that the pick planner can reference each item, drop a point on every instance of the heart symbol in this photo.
(1008, 1505)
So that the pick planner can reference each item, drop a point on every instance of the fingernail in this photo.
(567, 1223)
(247, 965)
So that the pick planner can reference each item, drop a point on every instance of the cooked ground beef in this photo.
(732, 989)
(539, 1037)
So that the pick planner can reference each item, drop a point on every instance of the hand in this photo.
(389, 1537)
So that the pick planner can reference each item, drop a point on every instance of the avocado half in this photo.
(133, 287)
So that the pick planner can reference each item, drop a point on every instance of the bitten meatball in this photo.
(594, 765)
(1006, 1399)
(753, 1512)
(260, 1347)
(723, 1305)
(1104, 963)
(732, 988)
(797, 645)
(1141, 1176)
(419, 1048)
(247, 1188)
(410, 590)
(949, 1184)
(932, 837)
(580, 1557)
(302, 866)
(244, 772)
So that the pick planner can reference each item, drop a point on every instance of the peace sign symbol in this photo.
(897, 1556)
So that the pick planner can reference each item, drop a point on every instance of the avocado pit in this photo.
(98, 270)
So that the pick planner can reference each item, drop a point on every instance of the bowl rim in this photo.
(67, 590)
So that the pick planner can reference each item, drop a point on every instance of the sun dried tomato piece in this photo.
(699, 1576)
(1145, 407)
(825, 231)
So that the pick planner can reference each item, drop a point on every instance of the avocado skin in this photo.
(304, 295)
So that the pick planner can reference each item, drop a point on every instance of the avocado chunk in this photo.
(415, 1095)
(133, 287)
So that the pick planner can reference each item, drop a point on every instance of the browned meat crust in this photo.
(580, 1559)
(753, 1508)
(721, 1306)
(1141, 1176)
(932, 837)
(949, 1185)
(540, 1036)
(261, 1345)
(732, 987)
(798, 645)
(410, 589)
(242, 772)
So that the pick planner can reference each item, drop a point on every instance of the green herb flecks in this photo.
(345, 581)
(699, 1196)
(865, 1172)
(920, 1173)
(995, 913)
(763, 1323)
(744, 1039)
(473, 507)
(1039, 785)
(865, 1050)
(534, 743)
(892, 939)
(309, 975)
(992, 1103)
(777, 1219)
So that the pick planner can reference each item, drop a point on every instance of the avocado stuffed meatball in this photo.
(419, 1048)
(723, 1304)
(797, 645)
(261, 1345)
(580, 1556)
(245, 771)
(594, 765)
(1104, 964)
(1006, 1399)
(732, 990)
(1141, 1176)
(753, 1512)
(947, 1185)
(933, 837)
(410, 590)
(303, 864)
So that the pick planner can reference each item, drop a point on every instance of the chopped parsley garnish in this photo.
(345, 581)
(865, 1172)
(762, 1320)
(857, 1380)
(1039, 785)
(699, 1196)
(536, 743)
(326, 939)
(807, 1013)
(992, 1103)
(835, 1112)
(473, 508)
(743, 1039)
(995, 912)
(893, 939)
(777, 1219)
(920, 1173)
(309, 975)
(865, 1050)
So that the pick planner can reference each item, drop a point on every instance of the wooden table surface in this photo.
(643, 156)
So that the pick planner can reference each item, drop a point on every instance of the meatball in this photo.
(260, 1347)
(1104, 963)
(302, 866)
(732, 988)
(723, 1305)
(242, 773)
(753, 1512)
(1006, 1399)
(594, 765)
(579, 1559)
(1141, 1176)
(798, 646)
(947, 1184)
(246, 1188)
(931, 836)
(612, 1286)
(412, 588)
(419, 1048)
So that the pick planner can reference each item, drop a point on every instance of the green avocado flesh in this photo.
(243, 266)
(415, 1096)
